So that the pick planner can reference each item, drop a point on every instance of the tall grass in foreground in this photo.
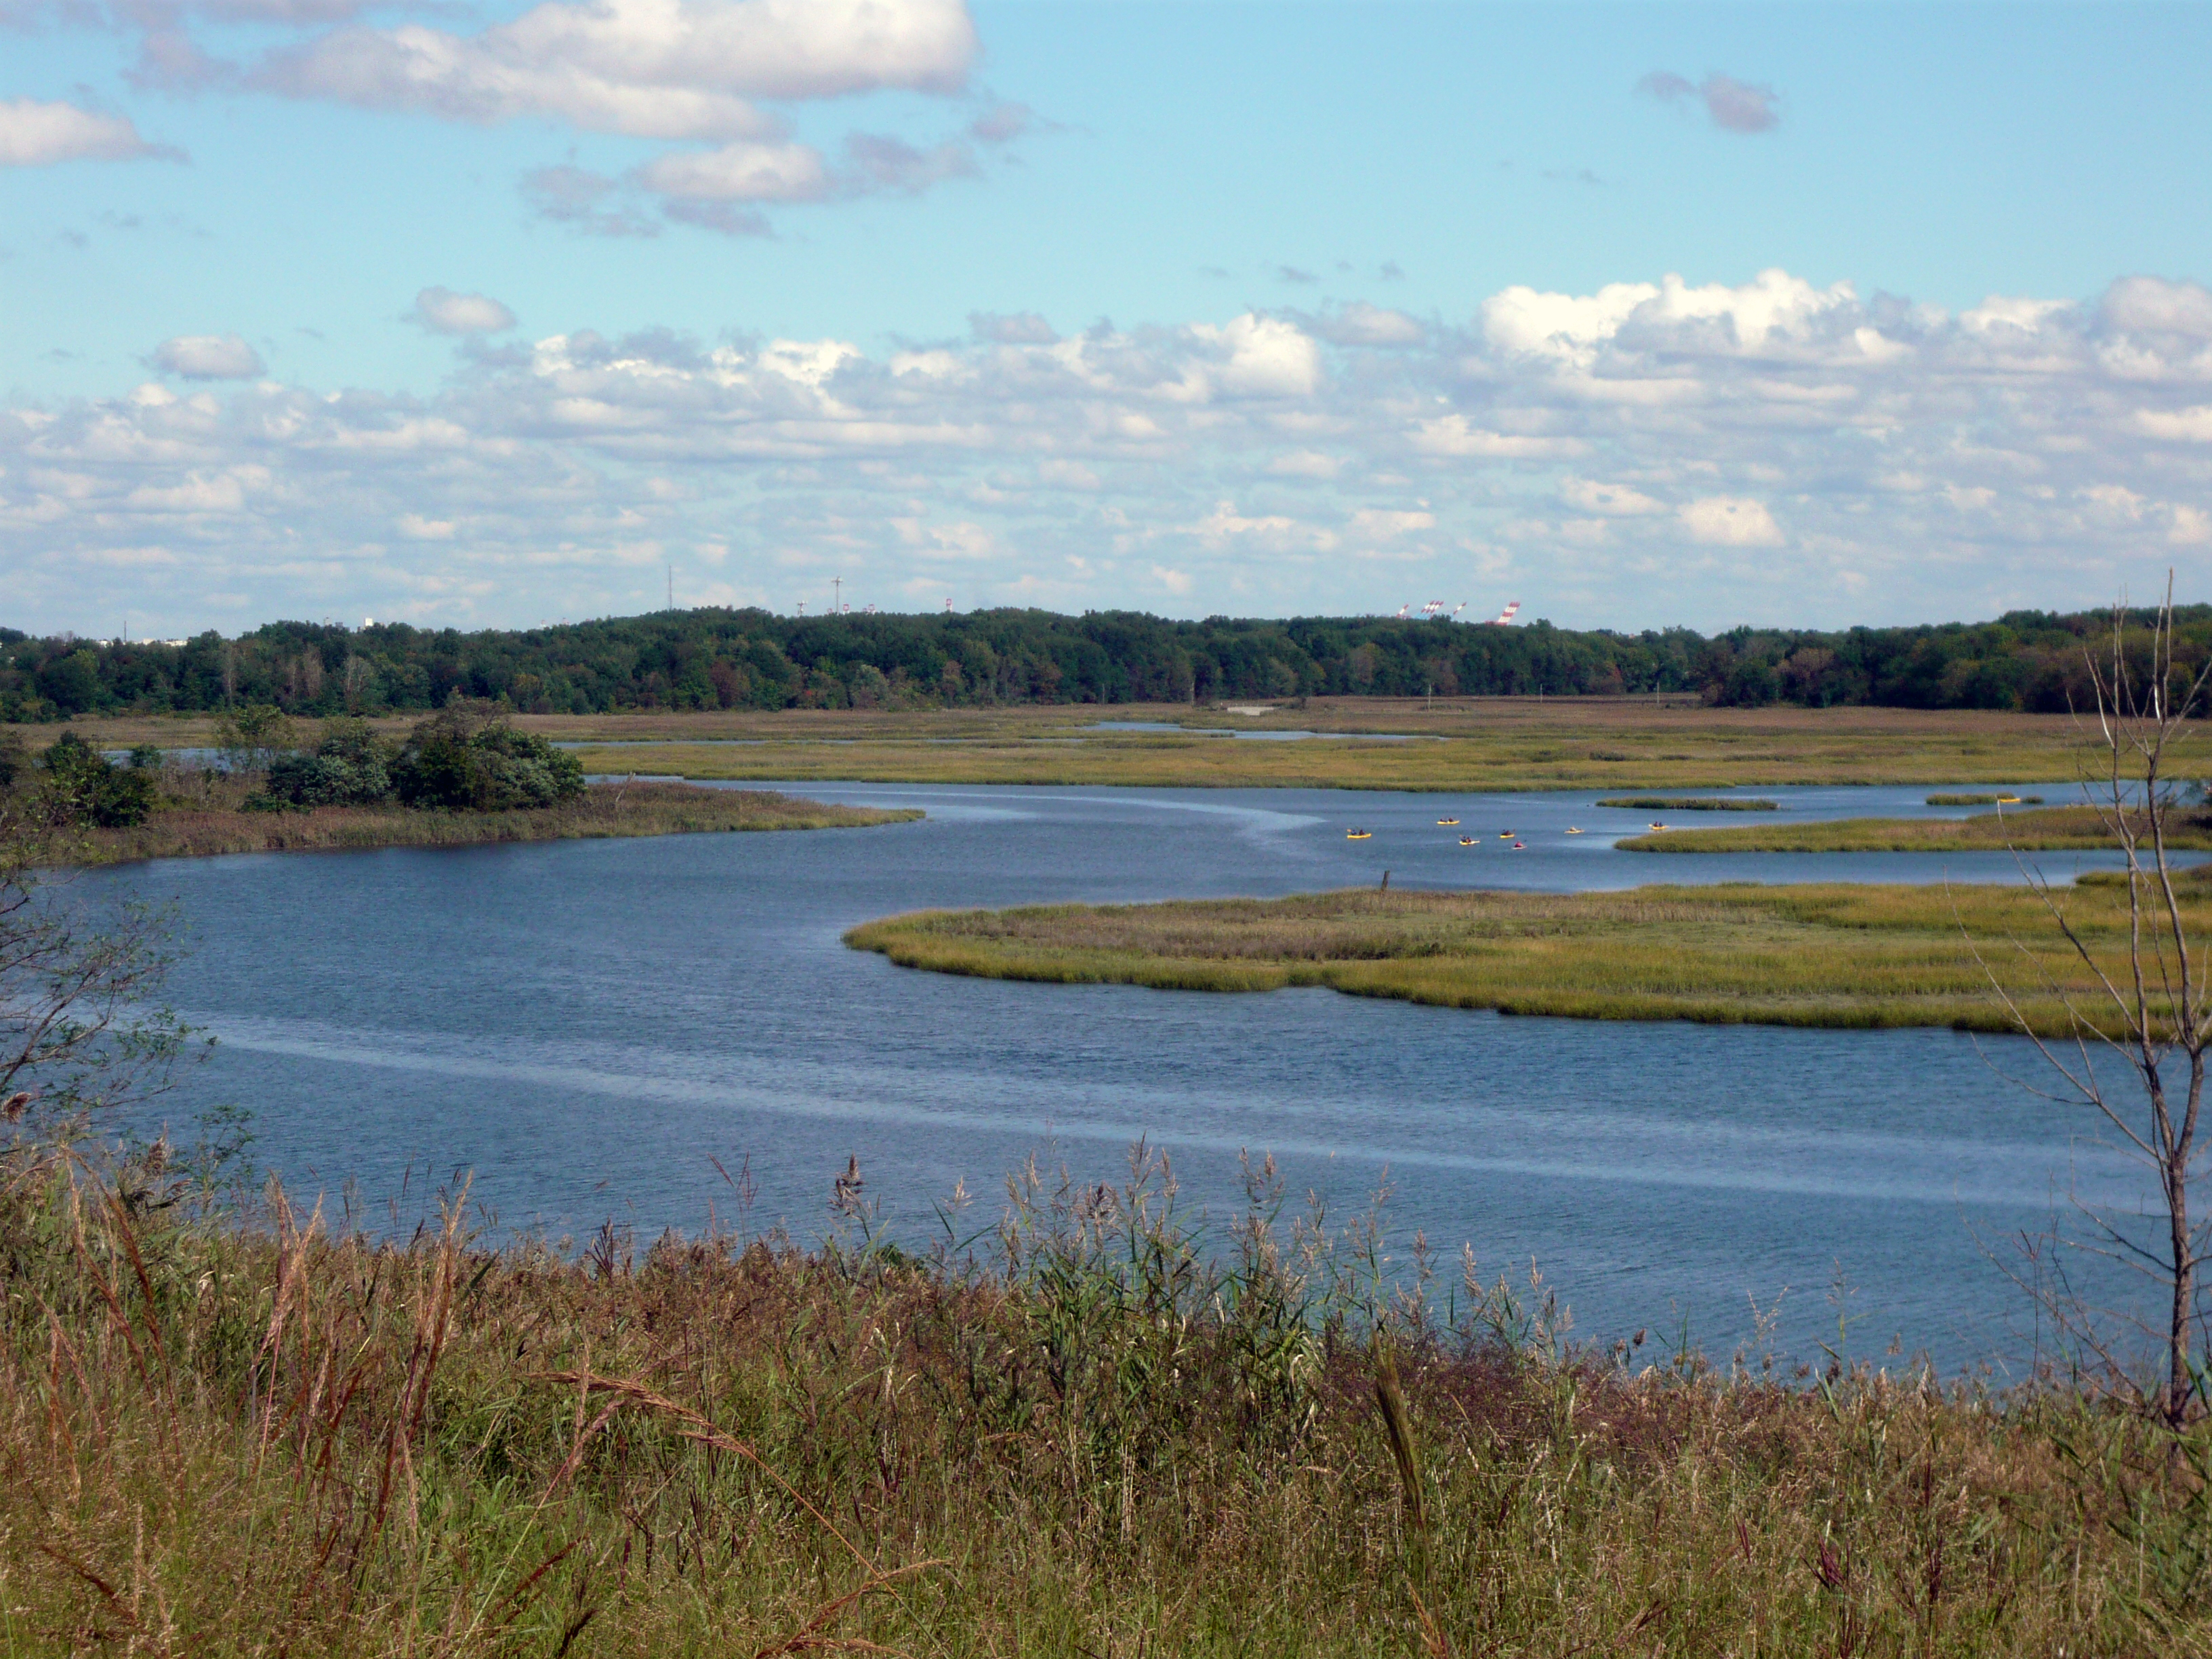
(1091, 1428)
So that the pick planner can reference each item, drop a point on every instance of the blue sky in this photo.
(1297, 307)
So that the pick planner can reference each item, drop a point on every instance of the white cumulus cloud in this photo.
(1742, 437)
(1361, 324)
(1612, 499)
(1456, 435)
(743, 172)
(444, 312)
(34, 134)
(208, 357)
(650, 69)
(1732, 105)
(1267, 357)
(1729, 522)
(2192, 425)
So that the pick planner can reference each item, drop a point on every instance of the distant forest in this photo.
(721, 659)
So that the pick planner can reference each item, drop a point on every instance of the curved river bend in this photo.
(583, 1024)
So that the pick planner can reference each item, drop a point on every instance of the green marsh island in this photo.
(1845, 954)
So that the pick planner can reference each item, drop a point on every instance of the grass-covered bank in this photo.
(2043, 830)
(1840, 955)
(1692, 803)
(1099, 1434)
(602, 810)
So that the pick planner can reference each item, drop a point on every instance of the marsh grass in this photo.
(1692, 802)
(1980, 801)
(1474, 744)
(1098, 1424)
(2046, 829)
(1840, 955)
(207, 821)
(1477, 744)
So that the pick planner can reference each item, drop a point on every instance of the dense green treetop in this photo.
(723, 659)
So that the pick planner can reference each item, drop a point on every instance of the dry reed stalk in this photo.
(1398, 1424)
(704, 1432)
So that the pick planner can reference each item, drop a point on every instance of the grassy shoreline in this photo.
(1690, 803)
(2043, 830)
(1840, 956)
(602, 811)
(1109, 1436)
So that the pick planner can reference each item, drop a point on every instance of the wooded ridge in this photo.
(750, 659)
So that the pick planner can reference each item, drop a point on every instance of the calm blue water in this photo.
(583, 1024)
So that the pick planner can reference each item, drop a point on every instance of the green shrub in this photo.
(348, 768)
(81, 787)
(250, 738)
(464, 760)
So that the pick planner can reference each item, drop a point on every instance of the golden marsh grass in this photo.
(1466, 744)
(2045, 829)
(1493, 743)
(1842, 955)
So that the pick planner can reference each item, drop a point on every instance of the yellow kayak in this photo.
(1358, 834)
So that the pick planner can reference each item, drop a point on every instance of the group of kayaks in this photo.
(1518, 845)
(1507, 835)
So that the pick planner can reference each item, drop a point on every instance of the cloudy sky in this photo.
(480, 313)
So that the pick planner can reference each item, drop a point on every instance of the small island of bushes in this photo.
(464, 775)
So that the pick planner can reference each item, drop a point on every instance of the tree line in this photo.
(751, 658)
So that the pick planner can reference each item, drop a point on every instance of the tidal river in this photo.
(584, 1024)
